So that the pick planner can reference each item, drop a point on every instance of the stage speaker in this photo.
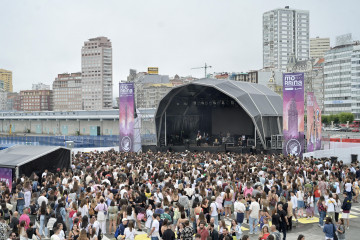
(69, 144)
(273, 142)
(279, 141)
(98, 131)
(354, 158)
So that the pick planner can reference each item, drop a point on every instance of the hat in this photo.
(124, 219)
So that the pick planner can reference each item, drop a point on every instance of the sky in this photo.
(40, 39)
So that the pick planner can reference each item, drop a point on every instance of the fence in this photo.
(79, 141)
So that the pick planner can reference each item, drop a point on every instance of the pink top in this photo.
(25, 217)
(247, 191)
(101, 207)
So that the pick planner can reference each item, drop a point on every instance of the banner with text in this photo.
(126, 116)
(293, 114)
(317, 113)
(6, 176)
(310, 123)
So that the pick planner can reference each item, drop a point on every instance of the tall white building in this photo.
(285, 34)
(342, 78)
(96, 74)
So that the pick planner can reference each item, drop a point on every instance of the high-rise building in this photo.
(342, 77)
(36, 100)
(3, 100)
(319, 46)
(6, 78)
(285, 34)
(13, 101)
(40, 86)
(96, 77)
(67, 91)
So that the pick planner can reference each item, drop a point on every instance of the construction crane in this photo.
(205, 68)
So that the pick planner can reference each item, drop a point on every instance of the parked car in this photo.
(344, 129)
(355, 130)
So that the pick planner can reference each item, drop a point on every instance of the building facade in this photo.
(3, 100)
(6, 78)
(40, 86)
(13, 102)
(36, 100)
(251, 76)
(67, 90)
(342, 79)
(97, 82)
(319, 46)
(285, 34)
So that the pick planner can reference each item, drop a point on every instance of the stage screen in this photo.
(232, 120)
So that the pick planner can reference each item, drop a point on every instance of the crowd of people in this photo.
(203, 195)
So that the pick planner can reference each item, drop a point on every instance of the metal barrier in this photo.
(79, 141)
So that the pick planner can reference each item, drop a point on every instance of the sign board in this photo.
(153, 70)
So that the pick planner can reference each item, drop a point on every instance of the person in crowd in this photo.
(254, 215)
(329, 229)
(346, 207)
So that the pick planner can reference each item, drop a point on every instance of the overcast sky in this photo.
(40, 39)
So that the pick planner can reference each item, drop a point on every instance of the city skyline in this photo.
(173, 36)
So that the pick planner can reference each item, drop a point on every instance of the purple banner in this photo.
(318, 125)
(6, 176)
(126, 116)
(293, 114)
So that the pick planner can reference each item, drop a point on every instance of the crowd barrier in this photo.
(79, 141)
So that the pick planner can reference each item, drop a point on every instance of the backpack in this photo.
(273, 202)
(117, 232)
(196, 200)
(6, 214)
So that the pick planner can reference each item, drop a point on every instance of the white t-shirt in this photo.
(155, 224)
(255, 208)
(330, 203)
(348, 187)
(129, 234)
(213, 207)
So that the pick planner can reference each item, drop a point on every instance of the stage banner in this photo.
(6, 176)
(293, 114)
(126, 116)
(310, 123)
(318, 125)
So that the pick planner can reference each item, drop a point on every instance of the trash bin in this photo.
(354, 158)
(333, 159)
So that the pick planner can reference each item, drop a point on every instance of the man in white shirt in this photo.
(189, 191)
(158, 196)
(254, 215)
(154, 232)
(42, 198)
(331, 204)
(294, 200)
(214, 212)
(239, 209)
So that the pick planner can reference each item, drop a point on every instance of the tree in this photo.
(344, 117)
(325, 119)
(335, 118)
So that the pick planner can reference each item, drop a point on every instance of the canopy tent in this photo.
(28, 159)
(262, 106)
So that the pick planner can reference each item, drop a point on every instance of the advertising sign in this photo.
(6, 176)
(317, 113)
(126, 116)
(310, 123)
(293, 114)
(153, 70)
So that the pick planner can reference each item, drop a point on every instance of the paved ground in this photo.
(310, 230)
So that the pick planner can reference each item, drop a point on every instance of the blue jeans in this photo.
(42, 227)
(322, 217)
(252, 222)
(316, 211)
(154, 238)
(70, 223)
(20, 208)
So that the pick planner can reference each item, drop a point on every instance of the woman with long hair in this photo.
(22, 231)
(74, 233)
(228, 203)
(83, 235)
(129, 232)
(42, 213)
(113, 212)
(264, 233)
(101, 210)
(322, 210)
(92, 234)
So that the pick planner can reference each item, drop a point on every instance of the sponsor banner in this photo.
(293, 114)
(318, 125)
(6, 176)
(310, 123)
(126, 116)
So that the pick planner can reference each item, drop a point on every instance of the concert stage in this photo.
(211, 112)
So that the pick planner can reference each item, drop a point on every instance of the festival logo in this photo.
(126, 116)
(293, 113)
